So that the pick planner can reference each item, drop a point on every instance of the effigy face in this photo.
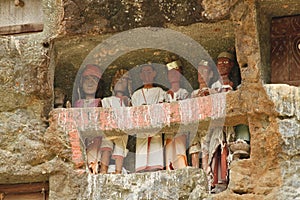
(89, 84)
(174, 76)
(224, 66)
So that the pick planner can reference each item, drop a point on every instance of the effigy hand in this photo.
(203, 92)
(171, 93)
(226, 88)
(68, 104)
(94, 167)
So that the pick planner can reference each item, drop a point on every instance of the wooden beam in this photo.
(22, 28)
(31, 196)
(24, 188)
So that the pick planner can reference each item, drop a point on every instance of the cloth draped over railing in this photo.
(146, 118)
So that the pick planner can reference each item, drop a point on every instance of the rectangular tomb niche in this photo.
(25, 191)
(20, 16)
(285, 50)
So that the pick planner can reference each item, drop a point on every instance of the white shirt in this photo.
(147, 96)
(178, 95)
(216, 86)
(112, 102)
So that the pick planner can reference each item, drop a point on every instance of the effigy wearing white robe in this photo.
(177, 147)
(149, 150)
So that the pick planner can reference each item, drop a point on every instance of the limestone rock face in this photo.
(189, 183)
(32, 64)
(22, 147)
(110, 16)
(286, 100)
(218, 9)
(100, 17)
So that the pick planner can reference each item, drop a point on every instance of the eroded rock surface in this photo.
(32, 152)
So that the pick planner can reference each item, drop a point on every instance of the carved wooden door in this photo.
(285, 50)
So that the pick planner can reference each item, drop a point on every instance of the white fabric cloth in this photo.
(177, 147)
(220, 88)
(148, 96)
(117, 144)
(149, 150)
(216, 85)
(178, 95)
(176, 151)
(112, 102)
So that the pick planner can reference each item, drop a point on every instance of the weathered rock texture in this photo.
(32, 64)
(286, 100)
(183, 184)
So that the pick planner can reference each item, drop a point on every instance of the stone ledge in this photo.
(191, 116)
(144, 119)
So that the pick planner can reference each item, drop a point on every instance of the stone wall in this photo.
(31, 151)
(286, 102)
